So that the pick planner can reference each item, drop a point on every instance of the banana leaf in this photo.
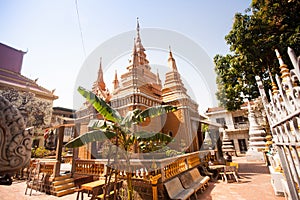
(96, 124)
(91, 136)
(101, 106)
(154, 112)
(151, 136)
(130, 118)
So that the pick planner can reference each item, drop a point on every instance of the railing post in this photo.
(59, 151)
(75, 152)
(154, 180)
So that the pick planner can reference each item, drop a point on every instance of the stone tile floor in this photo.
(254, 184)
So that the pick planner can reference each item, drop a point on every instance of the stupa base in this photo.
(253, 155)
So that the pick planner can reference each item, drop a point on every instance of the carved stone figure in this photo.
(15, 141)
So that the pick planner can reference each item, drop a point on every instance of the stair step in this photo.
(61, 182)
(63, 186)
(64, 192)
(58, 178)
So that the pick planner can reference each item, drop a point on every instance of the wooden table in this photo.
(217, 169)
(94, 186)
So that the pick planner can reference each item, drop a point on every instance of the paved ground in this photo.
(254, 184)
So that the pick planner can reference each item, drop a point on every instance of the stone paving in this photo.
(254, 184)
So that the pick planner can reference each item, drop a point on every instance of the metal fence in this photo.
(283, 112)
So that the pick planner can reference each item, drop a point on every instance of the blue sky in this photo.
(49, 30)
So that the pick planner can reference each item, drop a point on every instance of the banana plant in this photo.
(119, 129)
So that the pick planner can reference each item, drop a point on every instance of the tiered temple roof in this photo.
(10, 74)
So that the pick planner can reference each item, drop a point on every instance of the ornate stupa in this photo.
(256, 132)
(257, 135)
(141, 88)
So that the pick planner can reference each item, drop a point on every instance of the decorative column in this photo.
(257, 142)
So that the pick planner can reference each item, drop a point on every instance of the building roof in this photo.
(10, 74)
(219, 109)
(214, 109)
(11, 58)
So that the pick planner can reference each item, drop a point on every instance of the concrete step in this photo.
(63, 186)
(58, 178)
(61, 182)
(64, 192)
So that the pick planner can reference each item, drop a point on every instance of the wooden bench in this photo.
(175, 189)
(193, 180)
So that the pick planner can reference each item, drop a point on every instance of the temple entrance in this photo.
(242, 145)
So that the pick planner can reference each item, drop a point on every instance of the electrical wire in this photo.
(80, 28)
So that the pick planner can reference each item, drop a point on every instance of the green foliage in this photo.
(204, 127)
(172, 152)
(91, 136)
(267, 25)
(39, 152)
(115, 126)
(100, 105)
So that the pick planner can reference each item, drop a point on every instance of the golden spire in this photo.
(274, 86)
(171, 60)
(138, 41)
(116, 81)
(283, 67)
(158, 81)
(100, 80)
(140, 50)
(134, 55)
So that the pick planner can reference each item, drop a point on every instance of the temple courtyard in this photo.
(254, 183)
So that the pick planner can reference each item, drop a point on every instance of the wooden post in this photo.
(75, 151)
(59, 145)
(154, 180)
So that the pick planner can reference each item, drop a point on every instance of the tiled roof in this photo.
(216, 109)
(15, 80)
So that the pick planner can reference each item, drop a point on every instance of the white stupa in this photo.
(256, 138)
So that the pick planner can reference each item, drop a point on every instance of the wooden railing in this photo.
(89, 167)
(144, 168)
(174, 168)
(46, 165)
(67, 159)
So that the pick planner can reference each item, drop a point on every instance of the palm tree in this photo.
(119, 129)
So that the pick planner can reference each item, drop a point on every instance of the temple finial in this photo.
(100, 77)
(116, 81)
(137, 24)
(158, 81)
(274, 86)
(171, 60)
(170, 52)
(284, 70)
(134, 53)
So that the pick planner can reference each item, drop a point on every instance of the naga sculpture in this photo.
(15, 141)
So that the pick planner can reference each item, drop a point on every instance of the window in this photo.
(221, 121)
(240, 120)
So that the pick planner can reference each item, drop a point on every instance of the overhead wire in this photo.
(80, 28)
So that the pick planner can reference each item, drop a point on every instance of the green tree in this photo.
(120, 129)
(267, 25)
